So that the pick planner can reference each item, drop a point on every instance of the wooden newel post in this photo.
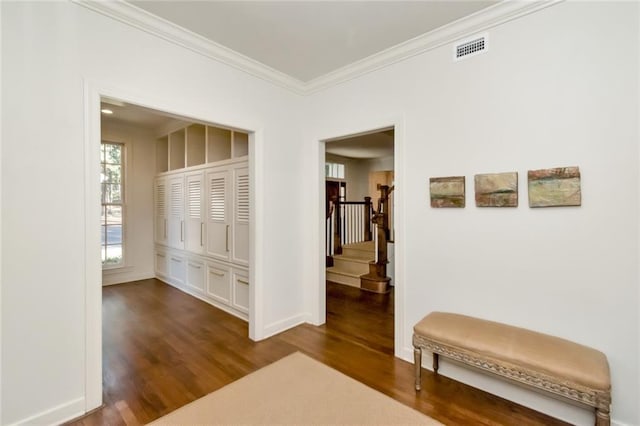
(376, 280)
(384, 198)
(337, 230)
(367, 219)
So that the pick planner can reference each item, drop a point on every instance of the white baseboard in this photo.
(55, 415)
(283, 325)
(125, 277)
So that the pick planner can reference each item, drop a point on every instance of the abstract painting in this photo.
(554, 187)
(497, 190)
(447, 191)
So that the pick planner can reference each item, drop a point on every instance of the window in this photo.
(334, 170)
(112, 181)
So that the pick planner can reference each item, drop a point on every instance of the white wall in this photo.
(50, 49)
(139, 173)
(557, 88)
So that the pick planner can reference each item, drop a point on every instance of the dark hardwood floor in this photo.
(163, 349)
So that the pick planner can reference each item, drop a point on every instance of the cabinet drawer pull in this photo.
(175, 259)
(218, 274)
(193, 265)
(227, 240)
(201, 234)
(181, 230)
(243, 281)
(160, 255)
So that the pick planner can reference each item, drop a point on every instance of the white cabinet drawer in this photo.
(177, 270)
(160, 261)
(219, 282)
(241, 291)
(195, 275)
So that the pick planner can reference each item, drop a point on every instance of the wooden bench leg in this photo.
(417, 360)
(436, 362)
(602, 417)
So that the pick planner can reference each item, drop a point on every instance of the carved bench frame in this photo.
(558, 386)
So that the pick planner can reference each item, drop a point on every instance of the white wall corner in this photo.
(56, 415)
(283, 325)
(141, 19)
(125, 277)
(484, 19)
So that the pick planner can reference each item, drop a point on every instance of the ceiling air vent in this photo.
(470, 47)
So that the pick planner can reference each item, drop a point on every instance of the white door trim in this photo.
(318, 290)
(92, 265)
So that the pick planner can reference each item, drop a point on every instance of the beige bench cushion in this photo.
(536, 351)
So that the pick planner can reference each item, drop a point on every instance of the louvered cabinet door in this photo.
(175, 232)
(240, 234)
(218, 224)
(160, 210)
(194, 214)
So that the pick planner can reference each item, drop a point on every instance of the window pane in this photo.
(114, 255)
(102, 235)
(113, 154)
(114, 234)
(113, 173)
(114, 215)
(112, 193)
(104, 253)
(102, 149)
(340, 171)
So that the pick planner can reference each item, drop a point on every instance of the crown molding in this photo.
(480, 21)
(505, 11)
(141, 19)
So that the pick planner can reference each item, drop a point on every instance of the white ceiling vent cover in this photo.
(470, 47)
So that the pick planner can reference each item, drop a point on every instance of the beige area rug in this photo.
(293, 391)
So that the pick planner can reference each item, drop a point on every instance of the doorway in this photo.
(95, 95)
(359, 237)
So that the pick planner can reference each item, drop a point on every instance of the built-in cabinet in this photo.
(202, 215)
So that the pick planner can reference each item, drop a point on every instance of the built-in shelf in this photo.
(162, 154)
(177, 150)
(218, 144)
(198, 144)
(240, 144)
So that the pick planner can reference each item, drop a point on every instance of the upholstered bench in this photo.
(544, 362)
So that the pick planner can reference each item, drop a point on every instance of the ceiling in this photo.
(304, 40)
(308, 39)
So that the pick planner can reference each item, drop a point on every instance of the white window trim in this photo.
(126, 152)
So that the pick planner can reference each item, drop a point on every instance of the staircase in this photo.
(354, 261)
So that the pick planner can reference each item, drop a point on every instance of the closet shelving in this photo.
(201, 220)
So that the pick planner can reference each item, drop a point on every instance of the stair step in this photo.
(342, 277)
(364, 250)
(351, 265)
(364, 245)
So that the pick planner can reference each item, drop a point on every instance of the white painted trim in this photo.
(91, 252)
(93, 268)
(483, 20)
(113, 279)
(318, 289)
(152, 24)
(56, 415)
(256, 232)
(399, 209)
(283, 325)
(1, 310)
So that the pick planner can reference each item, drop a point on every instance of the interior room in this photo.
(545, 94)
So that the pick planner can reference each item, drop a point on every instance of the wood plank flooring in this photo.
(163, 349)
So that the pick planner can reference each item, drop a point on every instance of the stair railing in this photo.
(348, 222)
